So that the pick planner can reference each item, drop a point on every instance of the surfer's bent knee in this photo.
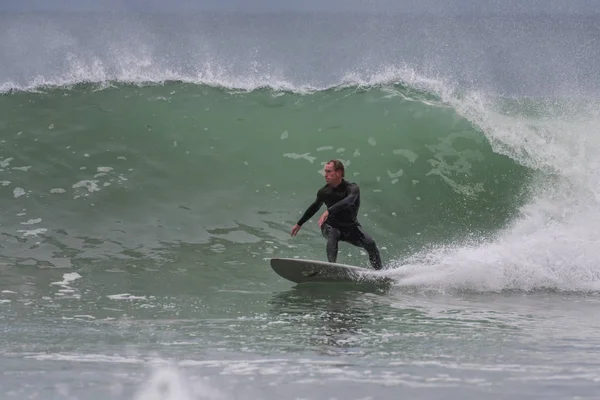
(330, 232)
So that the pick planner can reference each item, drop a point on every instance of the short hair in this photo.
(337, 166)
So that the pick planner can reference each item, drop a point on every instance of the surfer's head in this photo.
(334, 172)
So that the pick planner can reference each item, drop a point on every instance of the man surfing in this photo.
(339, 221)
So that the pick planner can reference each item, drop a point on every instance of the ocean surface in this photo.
(152, 164)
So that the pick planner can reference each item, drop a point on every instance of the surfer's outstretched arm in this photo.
(311, 210)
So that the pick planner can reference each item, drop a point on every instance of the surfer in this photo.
(339, 221)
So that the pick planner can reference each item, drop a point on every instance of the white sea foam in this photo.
(126, 296)
(18, 192)
(66, 290)
(32, 232)
(553, 242)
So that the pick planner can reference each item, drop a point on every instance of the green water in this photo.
(138, 222)
(197, 165)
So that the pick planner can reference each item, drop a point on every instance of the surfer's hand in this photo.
(323, 217)
(295, 229)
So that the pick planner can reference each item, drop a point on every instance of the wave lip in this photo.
(96, 72)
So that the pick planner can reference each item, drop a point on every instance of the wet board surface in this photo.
(302, 271)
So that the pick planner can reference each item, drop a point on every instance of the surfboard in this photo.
(303, 271)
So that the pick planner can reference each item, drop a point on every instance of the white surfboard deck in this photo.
(302, 271)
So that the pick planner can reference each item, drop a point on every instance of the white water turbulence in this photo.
(335, 50)
(554, 242)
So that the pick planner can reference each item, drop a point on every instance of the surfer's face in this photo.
(331, 175)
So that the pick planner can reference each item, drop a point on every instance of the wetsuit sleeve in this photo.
(312, 209)
(346, 201)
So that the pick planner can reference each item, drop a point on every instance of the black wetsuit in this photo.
(343, 202)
